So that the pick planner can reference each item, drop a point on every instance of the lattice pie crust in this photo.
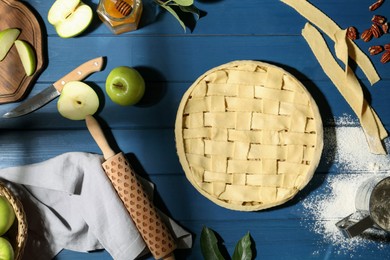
(249, 135)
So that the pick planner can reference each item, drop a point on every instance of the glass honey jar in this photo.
(120, 15)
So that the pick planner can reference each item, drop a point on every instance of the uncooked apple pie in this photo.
(249, 135)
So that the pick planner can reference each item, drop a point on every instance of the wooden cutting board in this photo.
(13, 81)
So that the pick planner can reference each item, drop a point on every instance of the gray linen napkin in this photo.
(71, 204)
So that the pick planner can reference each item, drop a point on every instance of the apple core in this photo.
(77, 100)
(70, 17)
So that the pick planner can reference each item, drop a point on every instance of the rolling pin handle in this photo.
(98, 135)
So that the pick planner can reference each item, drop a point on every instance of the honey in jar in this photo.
(120, 15)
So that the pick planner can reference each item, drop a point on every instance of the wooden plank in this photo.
(231, 17)
(271, 240)
(35, 146)
(159, 107)
(277, 240)
(153, 150)
(165, 58)
(96, 255)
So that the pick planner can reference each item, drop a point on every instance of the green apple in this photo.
(125, 86)
(77, 100)
(69, 17)
(7, 215)
(6, 250)
(7, 39)
(27, 56)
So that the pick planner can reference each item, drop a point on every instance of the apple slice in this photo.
(77, 100)
(27, 56)
(7, 39)
(69, 17)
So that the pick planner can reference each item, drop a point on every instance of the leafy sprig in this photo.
(209, 245)
(177, 7)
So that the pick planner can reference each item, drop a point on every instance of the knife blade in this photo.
(54, 90)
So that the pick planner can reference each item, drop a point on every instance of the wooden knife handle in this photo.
(98, 135)
(80, 73)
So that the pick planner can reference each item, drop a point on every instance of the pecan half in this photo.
(375, 5)
(376, 30)
(352, 33)
(366, 35)
(374, 50)
(385, 28)
(378, 19)
(385, 57)
(387, 47)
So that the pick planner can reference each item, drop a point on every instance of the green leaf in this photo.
(243, 249)
(209, 245)
(184, 2)
(191, 9)
(173, 12)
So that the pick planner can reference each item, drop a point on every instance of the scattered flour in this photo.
(345, 146)
(345, 120)
(346, 149)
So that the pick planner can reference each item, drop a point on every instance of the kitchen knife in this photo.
(54, 90)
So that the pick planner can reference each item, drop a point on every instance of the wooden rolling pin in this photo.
(141, 209)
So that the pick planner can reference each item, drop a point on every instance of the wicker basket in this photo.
(249, 135)
(18, 232)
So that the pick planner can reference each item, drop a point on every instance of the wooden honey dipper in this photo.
(123, 7)
(153, 230)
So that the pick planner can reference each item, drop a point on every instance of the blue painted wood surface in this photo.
(170, 60)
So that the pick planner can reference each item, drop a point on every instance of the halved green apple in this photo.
(69, 17)
(27, 56)
(77, 100)
(7, 39)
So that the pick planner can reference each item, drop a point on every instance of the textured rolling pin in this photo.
(141, 209)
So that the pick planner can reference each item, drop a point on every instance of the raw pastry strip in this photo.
(352, 82)
(284, 96)
(349, 87)
(267, 195)
(193, 120)
(249, 193)
(244, 166)
(197, 135)
(264, 180)
(265, 167)
(246, 77)
(330, 28)
(344, 48)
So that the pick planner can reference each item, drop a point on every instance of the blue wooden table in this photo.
(170, 60)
